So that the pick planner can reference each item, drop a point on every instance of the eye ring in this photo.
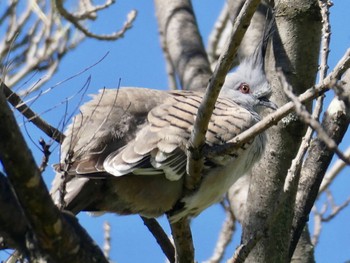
(244, 88)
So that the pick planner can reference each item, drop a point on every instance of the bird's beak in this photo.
(265, 102)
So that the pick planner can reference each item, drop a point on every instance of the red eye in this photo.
(244, 88)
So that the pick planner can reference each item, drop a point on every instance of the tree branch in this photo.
(293, 175)
(225, 237)
(27, 112)
(14, 237)
(313, 123)
(161, 237)
(297, 35)
(182, 43)
(335, 123)
(44, 218)
(182, 235)
(74, 19)
(338, 166)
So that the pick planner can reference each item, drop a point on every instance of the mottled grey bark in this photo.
(335, 123)
(13, 237)
(46, 222)
(297, 37)
(182, 42)
(304, 252)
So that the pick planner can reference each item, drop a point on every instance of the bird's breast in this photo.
(217, 181)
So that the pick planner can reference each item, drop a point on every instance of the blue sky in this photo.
(138, 61)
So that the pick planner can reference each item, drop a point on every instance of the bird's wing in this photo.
(145, 132)
(160, 146)
(139, 131)
(104, 125)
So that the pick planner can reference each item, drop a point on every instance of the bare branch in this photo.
(335, 209)
(225, 237)
(293, 175)
(74, 19)
(182, 235)
(107, 239)
(221, 24)
(182, 43)
(38, 48)
(306, 117)
(18, 104)
(161, 237)
(335, 123)
(326, 36)
(338, 166)
(321, 215)
(45, 220)
(317, 224)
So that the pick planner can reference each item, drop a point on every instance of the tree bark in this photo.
(56, 237)
(297, 36)
(13, 237)
(335, 123)
(181, 40)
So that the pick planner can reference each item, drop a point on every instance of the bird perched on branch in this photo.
(125, 152)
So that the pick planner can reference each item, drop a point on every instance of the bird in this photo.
(125, 152)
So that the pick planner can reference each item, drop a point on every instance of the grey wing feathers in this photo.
(160, 146)
(162, 142)
(145, 131)
(228, 120)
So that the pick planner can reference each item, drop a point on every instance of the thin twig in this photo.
(75, 21)
(318, 222)
(320, 215)
(107, 239)
(326, 36)
(225, 237)
(46, 151)
(39, 48)
(338, 166)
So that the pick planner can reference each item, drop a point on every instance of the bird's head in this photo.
(248, 85)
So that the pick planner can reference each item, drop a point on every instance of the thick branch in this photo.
(14, 237)
(182, 42)
(297, 35)
(56, 237)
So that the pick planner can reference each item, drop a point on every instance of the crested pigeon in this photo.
(125, 152)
